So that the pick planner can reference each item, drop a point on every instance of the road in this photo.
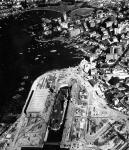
(102, 111)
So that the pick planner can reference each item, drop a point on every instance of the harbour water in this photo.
(22, 59)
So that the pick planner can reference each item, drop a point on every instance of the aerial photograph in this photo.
(64, 74)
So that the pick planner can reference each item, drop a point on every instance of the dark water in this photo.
(18, 66)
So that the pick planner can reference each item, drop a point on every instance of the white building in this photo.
(37, 102)
(74, 32)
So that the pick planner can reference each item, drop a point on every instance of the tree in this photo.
(114, 80)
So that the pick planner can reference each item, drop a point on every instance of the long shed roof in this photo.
(38, 100)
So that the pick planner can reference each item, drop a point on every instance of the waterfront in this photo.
(23, 59)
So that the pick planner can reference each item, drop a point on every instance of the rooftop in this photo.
(38, 100)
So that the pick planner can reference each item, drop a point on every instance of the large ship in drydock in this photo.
(59, 108)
